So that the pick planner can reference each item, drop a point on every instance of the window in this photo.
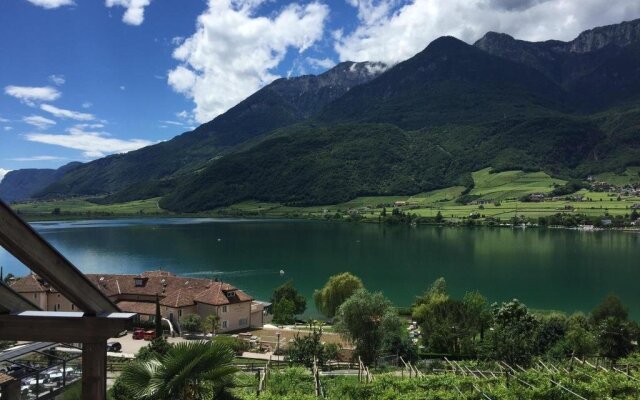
(224, 308)
(179, 313)
(58, 307)
(243, 322)
(139, 282)
(230, 294)
(224, 324)
(35, 296)
(73, 307)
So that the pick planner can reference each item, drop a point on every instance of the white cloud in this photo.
(38, 158)
(3, 172)
(176, 123)
(49, 4)
(92, 144)
(39, 122)
(321, 63)
(89, 126)
(8, 128)
(233, 51)
(4, 120)
(87, 104)
(135, 10)
(29, 94)
(62, 113)
(389, 31)
(122, 87)
(57, 80)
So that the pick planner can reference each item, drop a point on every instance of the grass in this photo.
(511, 184)
(83, 207)
(629, 176)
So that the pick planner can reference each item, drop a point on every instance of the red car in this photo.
(138, 333)
(150, 334)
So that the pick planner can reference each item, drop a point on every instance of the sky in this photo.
(82, 79)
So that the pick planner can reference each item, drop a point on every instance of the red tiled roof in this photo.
(217, 295)
(174, 291)
(138, 307)
(182, 297)
(30, 284)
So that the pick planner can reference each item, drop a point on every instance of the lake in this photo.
(547, 269)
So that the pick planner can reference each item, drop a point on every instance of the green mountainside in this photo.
(567, 109)
(150, 171)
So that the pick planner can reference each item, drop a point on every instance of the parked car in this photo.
(138, 333)
(150, 334)
(114, 347)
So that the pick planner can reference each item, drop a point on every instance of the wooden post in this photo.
(12, 390)
(94, 370)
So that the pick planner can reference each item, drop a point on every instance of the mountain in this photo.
(598, 68)
(570, 109)
(149, 172)
(23, 184)
(448, 81)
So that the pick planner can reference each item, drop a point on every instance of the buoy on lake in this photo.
(219, 240)
(281, 272)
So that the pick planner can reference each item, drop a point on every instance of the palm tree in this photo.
(189, 371)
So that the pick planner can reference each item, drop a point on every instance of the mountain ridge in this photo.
(568, 108)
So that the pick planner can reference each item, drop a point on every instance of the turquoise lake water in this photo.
(547, 269)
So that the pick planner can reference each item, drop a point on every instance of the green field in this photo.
(629, 176)
(503, 189)
(511, 184)
(83, 207)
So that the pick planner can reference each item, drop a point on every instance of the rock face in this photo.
(597, 67)
(620, 35)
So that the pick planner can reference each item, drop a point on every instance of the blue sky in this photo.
(80, 79)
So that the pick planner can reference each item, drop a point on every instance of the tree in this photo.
(338, 289)
(158, 318)
(191, 323)
(513, 336)
(447, 326)
(479, 313)
(189, 371)
(8, 278)
(157, 348)
(614, 337)
(439, 218)
(578, 339)
(212, 322)
(284, 312)
(437, 292)
(287, 291)
(551, 331)
(304, 349)
(369, 320)
(611, 306)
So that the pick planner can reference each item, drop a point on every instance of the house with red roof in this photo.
(179, 297)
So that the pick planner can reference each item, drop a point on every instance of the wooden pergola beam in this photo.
(10, 301)
(21, 240)
(66, 327)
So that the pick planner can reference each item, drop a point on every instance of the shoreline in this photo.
(44, 218)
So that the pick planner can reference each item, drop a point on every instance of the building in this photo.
(179, 297)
